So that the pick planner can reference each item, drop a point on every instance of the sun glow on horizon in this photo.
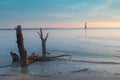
(60, 13)
(74, 25)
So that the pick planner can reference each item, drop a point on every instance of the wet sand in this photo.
(73, 76)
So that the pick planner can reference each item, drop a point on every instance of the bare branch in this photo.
(46, 36)
(39, 34)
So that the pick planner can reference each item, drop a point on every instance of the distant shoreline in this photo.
(54, 28)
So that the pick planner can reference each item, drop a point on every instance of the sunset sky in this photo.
(60, 13)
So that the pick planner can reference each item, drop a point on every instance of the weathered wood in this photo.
(83, 70)
(53, 57)
(36, 57)
(43, 43)
(24, 58)
(14, 56)
(23, 53)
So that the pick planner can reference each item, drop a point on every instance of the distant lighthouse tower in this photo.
(85, 25)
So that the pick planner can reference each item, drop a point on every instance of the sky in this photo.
(60, 13)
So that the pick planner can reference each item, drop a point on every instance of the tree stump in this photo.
(14, 56)
(23, 53)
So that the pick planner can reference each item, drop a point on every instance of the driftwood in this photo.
(23, 53)
(14, 56)
(49, 58)
(35, 57)
(24, 58)
(43, 43)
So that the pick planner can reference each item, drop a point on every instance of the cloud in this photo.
(104, 5)
(103, 12)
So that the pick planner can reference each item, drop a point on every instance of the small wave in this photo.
(96, 62)
(5, 66)
(83, 70)
(117, 56)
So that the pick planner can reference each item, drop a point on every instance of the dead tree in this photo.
(23, 53)
(24, 58)
(43, 43)
(15, 57)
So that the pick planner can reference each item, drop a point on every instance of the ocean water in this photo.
(97, 50)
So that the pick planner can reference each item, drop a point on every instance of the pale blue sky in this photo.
(58, 13)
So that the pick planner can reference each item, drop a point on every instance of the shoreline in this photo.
(74, 76)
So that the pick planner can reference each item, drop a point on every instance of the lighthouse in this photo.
(85, 25)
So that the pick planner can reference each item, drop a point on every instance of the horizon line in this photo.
(55, 28)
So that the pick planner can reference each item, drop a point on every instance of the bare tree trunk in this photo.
(43, 43)
(23, 53)
(44, 48)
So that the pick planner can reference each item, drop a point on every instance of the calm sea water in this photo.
(95, 49)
